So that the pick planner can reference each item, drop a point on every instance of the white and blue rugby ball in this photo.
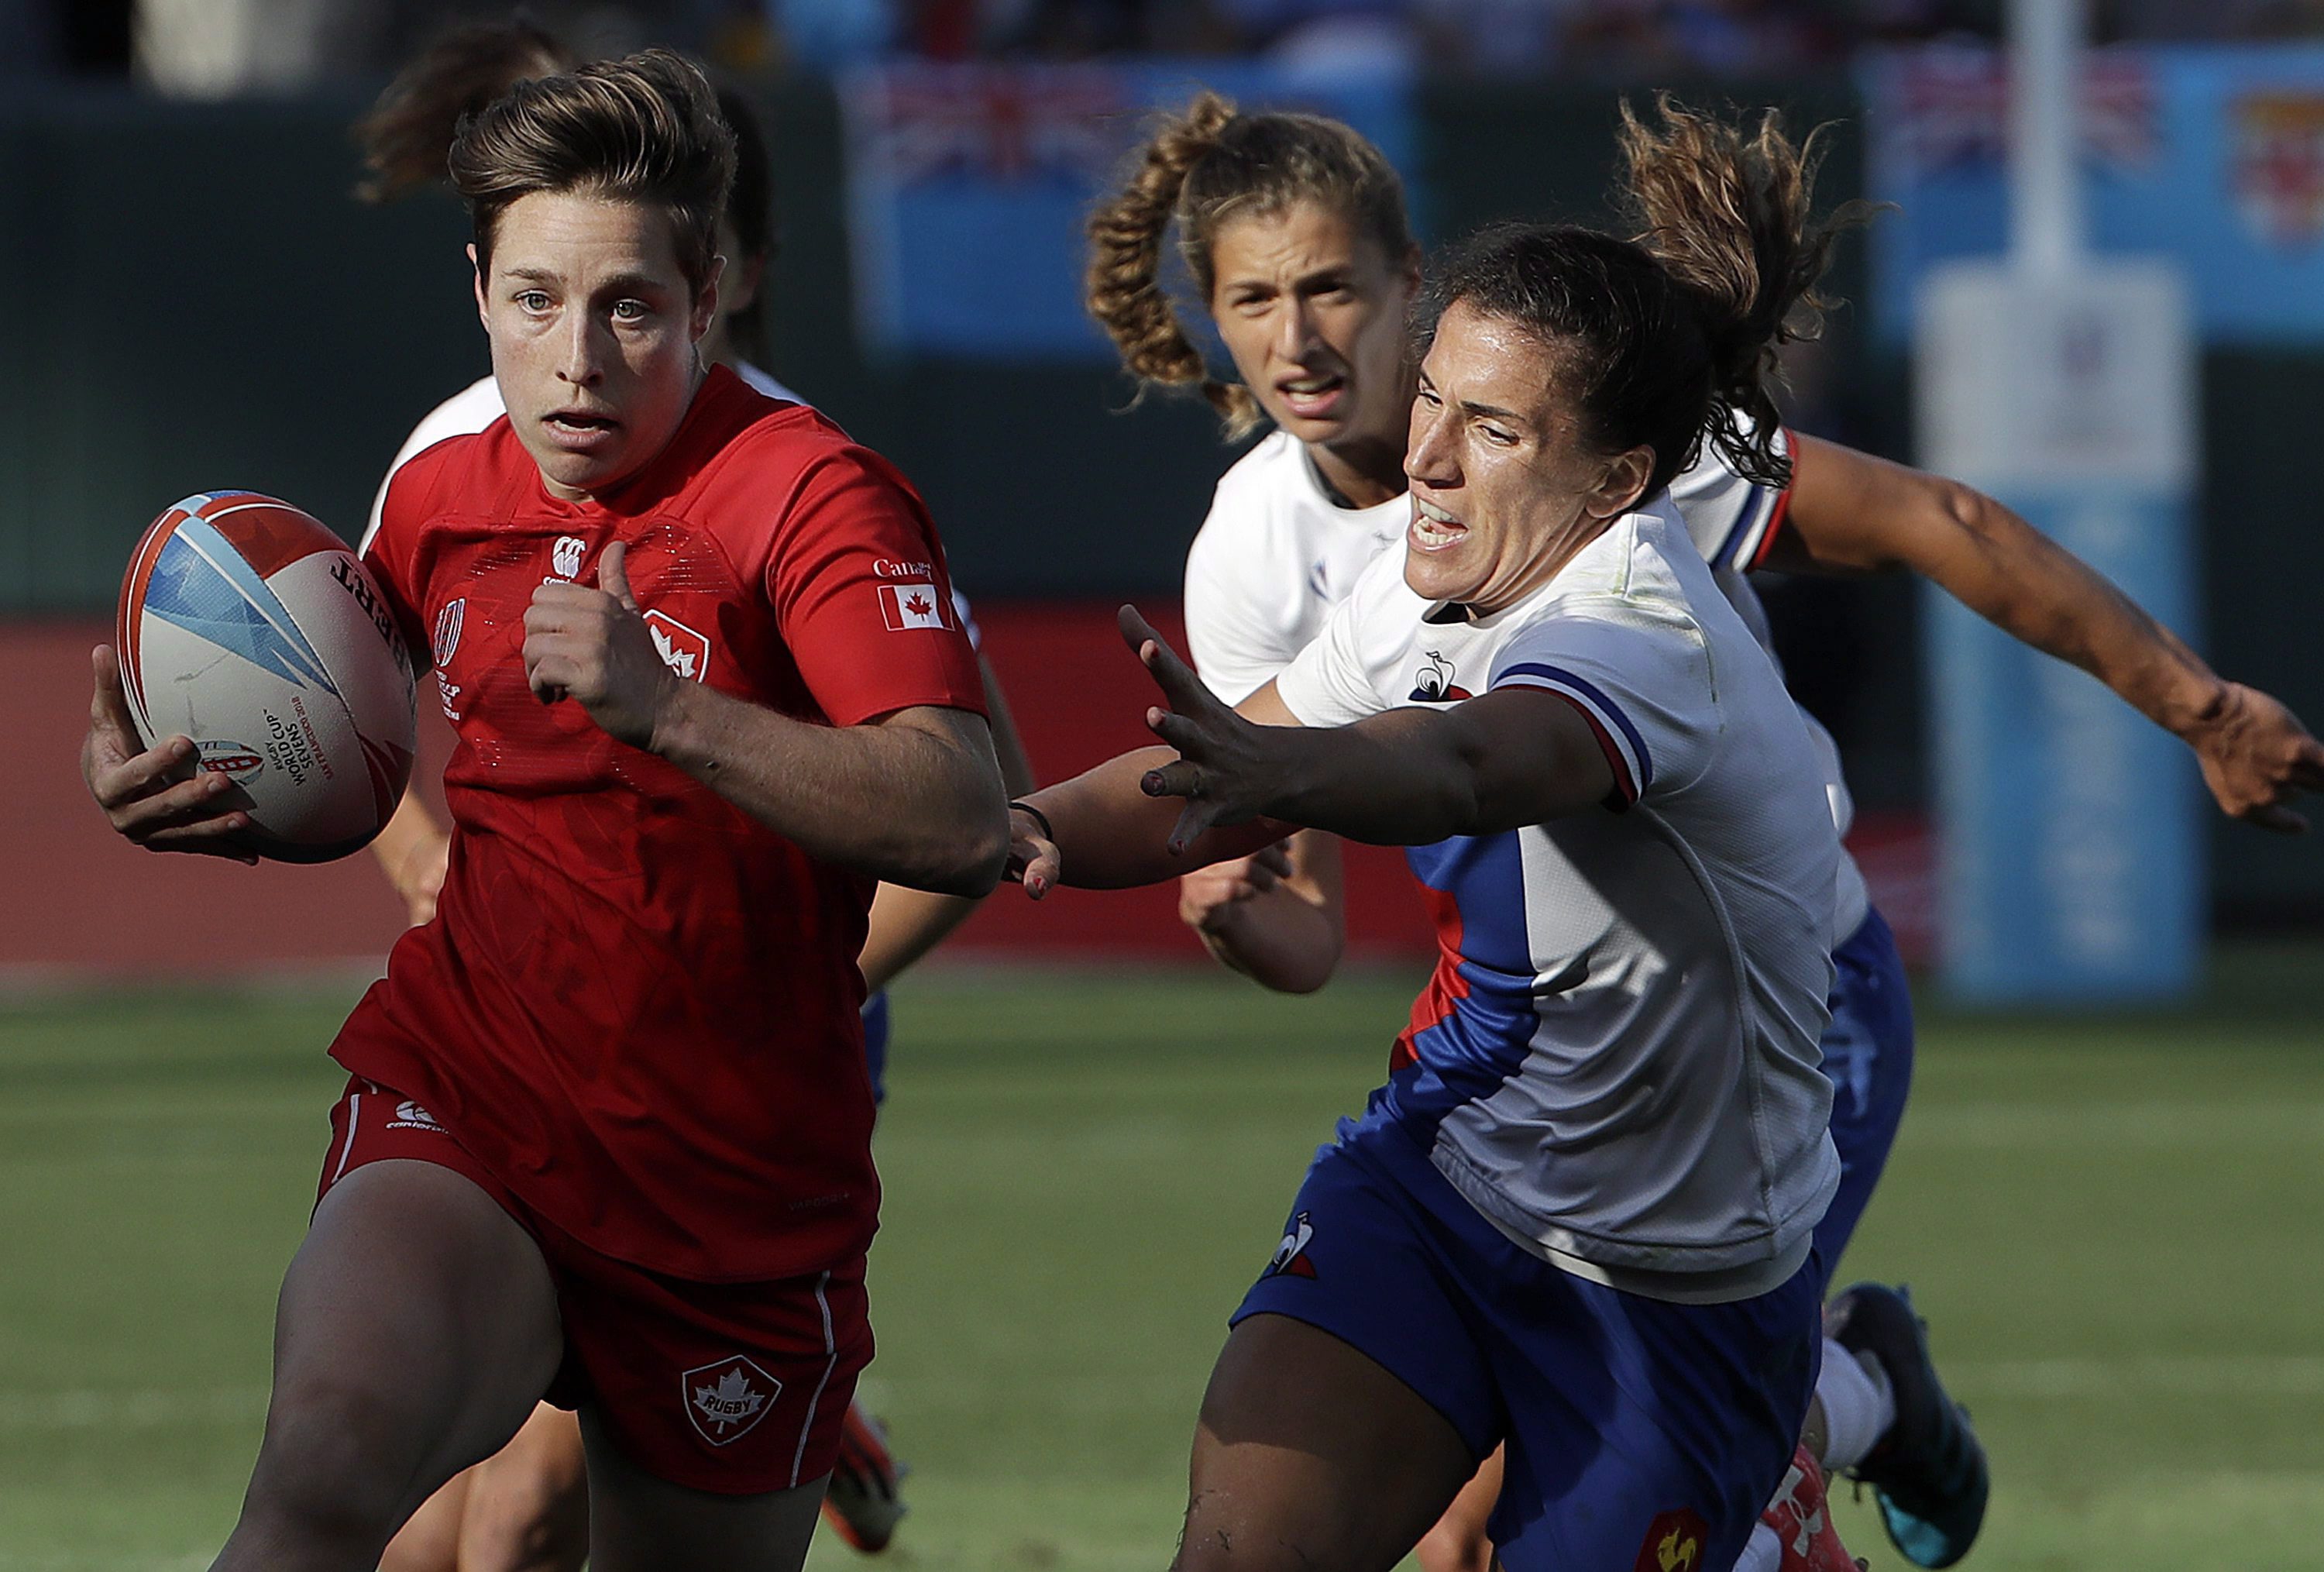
(248, 626)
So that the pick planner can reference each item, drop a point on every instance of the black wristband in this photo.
(1049, 830)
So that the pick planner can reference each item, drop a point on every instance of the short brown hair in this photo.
(643, 129)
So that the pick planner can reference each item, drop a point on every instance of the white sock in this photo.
(1858, 1406)
(1761, 1552)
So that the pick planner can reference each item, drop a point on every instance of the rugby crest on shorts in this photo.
(1675, 1543)
(1290, 1259)
(726, 1399)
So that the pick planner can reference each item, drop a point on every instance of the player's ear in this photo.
(476, 272)
(1620, 485)
(705, 299)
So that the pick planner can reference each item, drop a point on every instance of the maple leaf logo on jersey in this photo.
(681, 649)
(725, 1401)
(911, 606)
(1290, 1258)
(1434, 684)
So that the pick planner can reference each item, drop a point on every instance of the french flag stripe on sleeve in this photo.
(1626, 749)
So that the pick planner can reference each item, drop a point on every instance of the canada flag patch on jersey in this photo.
(912, 606)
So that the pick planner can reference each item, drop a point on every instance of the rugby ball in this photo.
(249, 628)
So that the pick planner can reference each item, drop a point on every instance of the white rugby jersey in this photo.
(1616, 1060)
(1275, 553)
(478, 405)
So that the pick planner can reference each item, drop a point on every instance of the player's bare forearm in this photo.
(914, 799)
(412, 848)
(1851, 512)
(1112, 835)
(905, 925)
(1413, 777)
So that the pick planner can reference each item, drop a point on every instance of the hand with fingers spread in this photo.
(2257, 758)
(158, 798)
(1223, 769)
(594, 647)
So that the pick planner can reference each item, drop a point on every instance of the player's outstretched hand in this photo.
(158, 798)
(1034, 860)
(1209, 899)
(2257, 758)
(1222, 770)
(594, 647)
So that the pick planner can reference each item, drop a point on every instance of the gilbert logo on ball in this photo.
(249, 628)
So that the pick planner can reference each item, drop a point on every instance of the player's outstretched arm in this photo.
(1851, 512)
(1239, 778)
(156, 798)
(913, 798)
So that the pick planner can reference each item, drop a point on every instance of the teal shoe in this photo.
(1929, 1472)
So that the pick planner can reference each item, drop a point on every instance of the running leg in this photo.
(416, 1325)
(1309, 1455)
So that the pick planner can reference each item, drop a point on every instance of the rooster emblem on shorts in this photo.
(1434, 684)
(1290, 1258)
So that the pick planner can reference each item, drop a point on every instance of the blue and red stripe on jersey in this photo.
(1474, 1024)
(1624, 749)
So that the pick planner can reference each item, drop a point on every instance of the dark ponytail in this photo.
(1724, 208)
(1672, 334)
(1203, 168)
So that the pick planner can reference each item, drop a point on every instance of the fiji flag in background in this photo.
(968, 185)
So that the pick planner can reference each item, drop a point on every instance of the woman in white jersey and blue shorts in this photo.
(526, 1508)
(1578, 1221)
(1293, 229)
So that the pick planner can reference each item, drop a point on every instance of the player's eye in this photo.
(630, 311)
(1498, 437)
(1428, 395)
(533, 300)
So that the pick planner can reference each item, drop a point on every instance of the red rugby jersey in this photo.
(637, 1005)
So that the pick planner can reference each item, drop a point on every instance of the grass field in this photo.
(2113, 1225)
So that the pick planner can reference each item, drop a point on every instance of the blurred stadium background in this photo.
(2108, 1212)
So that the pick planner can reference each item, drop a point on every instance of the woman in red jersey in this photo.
(526, 1508)
(607, 1135)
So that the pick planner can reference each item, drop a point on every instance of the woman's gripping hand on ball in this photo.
(157, 798)
(594, 647)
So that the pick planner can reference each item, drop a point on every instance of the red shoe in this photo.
(860, 1502)
(1802, 1522)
